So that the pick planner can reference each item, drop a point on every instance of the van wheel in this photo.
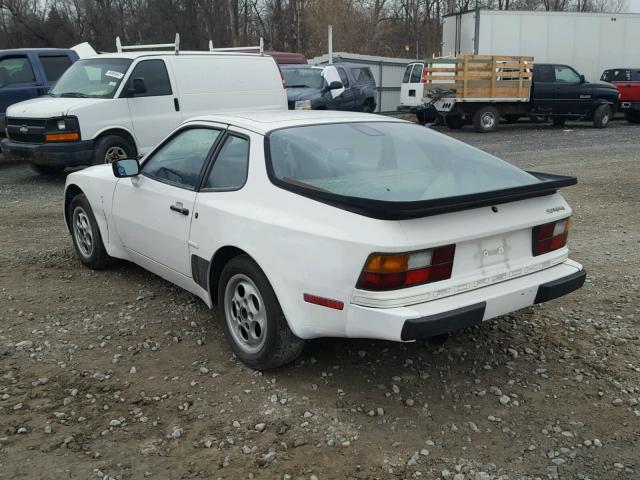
(602, 116)
(454, 122)
(47, 169)
(252, 319)
(486, 119)
(632, 117)
(110, 148)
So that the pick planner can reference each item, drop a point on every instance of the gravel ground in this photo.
(120, 375)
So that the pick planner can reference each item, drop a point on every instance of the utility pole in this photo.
(330, 43)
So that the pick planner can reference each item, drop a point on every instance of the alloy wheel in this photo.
(245, 313)
(82, 231)
(114, 153)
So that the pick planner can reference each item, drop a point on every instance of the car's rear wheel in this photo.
(369, 106)
(252, 318)
(47, 169)
(602, 116)
(111, 148)
(86, 234)
(486, 119)
(632, 117)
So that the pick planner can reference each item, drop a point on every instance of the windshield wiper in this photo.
(73, 94)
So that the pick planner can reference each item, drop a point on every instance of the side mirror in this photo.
(582, 80)
(137, 87)
(335, 86)
(126, 168)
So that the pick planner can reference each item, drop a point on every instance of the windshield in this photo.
(397, 162)
(95, 78)
(303, 77)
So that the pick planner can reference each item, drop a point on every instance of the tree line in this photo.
(394, 28)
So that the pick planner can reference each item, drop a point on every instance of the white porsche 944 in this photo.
(298, 225)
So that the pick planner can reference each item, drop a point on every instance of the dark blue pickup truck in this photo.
(27, 73)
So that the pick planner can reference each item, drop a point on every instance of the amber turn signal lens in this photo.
(387, 263)
(62, 137)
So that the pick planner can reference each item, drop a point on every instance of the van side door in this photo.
(153, 102)
(19, 80)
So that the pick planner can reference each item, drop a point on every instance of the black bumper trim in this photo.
(562, 286)
(425, 327)
(63, 154)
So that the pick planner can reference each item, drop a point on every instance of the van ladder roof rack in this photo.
(260, 48)
(176, 45)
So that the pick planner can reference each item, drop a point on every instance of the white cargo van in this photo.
(121, 105)
(411, 89)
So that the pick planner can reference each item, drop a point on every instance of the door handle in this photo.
(176, 104)
(179, 208)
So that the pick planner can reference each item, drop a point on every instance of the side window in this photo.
(180, 161)
(416, 74)
(343, 77)
(407, 73)
(566, 75)
(54, 66)
(154, 74)
(229, 170)
(544, 74)
(361, 74)
(14, 70)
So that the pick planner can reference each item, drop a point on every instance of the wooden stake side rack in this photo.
(481, 77)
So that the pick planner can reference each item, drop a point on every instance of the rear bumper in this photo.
(466, 309)
(63, 154)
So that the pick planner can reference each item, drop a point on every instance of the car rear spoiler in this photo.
(385, 210)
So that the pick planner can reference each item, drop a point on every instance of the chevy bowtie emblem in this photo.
(24, 129)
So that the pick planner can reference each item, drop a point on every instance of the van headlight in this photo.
(62, 129)
(303, 105)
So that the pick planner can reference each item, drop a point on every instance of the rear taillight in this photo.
(401, 270)
(550, 236)
(425, 76)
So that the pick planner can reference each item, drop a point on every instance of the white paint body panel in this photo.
(305, 246)
(589, 42)
(202, 83)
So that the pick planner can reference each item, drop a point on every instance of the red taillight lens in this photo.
(400, 270)
(550, 236)
(425, 75)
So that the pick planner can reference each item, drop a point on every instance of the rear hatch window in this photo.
(388, 165)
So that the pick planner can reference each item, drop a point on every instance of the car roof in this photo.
(265, 121)
(147, 53)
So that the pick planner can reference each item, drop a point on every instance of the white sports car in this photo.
(303, 224)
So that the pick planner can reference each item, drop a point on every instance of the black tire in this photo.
(632, 117)
(47, 169)
(279, 345)
(111, 146)
(486, 119)
(369, 106)
(454, 122)
(559, 121)
(511, 118)
(95, 257)
(602, 116)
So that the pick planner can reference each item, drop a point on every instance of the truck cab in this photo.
(28, 73)
(560, 92)
(627, 81)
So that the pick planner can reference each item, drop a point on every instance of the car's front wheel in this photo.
(86, 234)
(252, 318)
